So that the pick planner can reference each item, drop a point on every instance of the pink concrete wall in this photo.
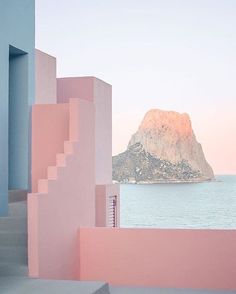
(81, 87)
(203, 259)
(65, 199)
(103, 134)
(45, 78)
(50, 128)
(102, 203)
(93, 89)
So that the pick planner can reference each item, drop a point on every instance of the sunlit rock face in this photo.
(168, 137)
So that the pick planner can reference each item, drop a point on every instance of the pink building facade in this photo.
(71, 168)
(74, 208)
(56, 143)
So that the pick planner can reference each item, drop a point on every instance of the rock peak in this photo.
(166, 137)
(156, 119)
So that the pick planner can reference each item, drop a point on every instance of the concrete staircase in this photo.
(13, 237)
(53, 172)
(13, 258)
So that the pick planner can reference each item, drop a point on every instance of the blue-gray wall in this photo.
(17, 29)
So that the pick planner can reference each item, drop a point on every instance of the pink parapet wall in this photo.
(199, 259)
(65, 198)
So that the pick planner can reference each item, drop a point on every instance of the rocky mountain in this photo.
(164, 149)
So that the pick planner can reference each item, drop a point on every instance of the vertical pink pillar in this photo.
(45, 78)
(93, 89)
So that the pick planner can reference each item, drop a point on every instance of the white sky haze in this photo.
(169, 54)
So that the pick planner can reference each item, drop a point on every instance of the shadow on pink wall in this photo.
(203, 259)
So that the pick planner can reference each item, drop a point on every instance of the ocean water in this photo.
(209, 205)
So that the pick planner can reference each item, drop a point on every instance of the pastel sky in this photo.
(168, 54)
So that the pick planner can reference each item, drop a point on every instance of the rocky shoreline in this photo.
(166, 182)
(136, 166)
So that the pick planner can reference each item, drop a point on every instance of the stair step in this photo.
(12, 269)
(18, 209)
(52, 172)
(21, 285)
(43, 186)
(68, 147)
(61, 159)
(13, 254)
(13, 224)
(8, 238)
(17, 195)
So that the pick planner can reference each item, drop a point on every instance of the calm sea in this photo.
(202, 205)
